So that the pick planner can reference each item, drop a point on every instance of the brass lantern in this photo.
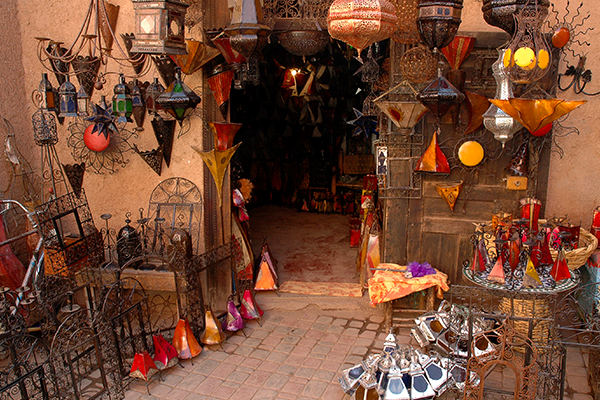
(439, 21)
(247, 33)
(159, 27)
(361, 23)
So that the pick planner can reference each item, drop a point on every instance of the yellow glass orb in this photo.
(543, 59)
(525, 58)
(470, 153)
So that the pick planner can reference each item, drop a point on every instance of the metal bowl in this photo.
(303, 42)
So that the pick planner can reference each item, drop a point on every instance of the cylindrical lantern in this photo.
(138, 104)
(48, 95)
(154, 90)
(82, 102)
(361, 23)
(502, 125)
(122, 103)
(159, 27)
(439, 21)
(68, 99)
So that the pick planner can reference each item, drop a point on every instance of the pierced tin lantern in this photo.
(138, 103)
(360, 23)
(159, 27)
(178, 100)
(500, 13)
(68, 99)
(303, 42)
(407, 31)
(439, 96)
(527, 58)
(439, 21)
(497, 121)
(247, 32)
(152, 93)
(122, 102)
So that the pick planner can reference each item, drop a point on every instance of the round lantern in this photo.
(439, 21)
(470, 153)
(360, 23)
(500, 13)
(96, 140)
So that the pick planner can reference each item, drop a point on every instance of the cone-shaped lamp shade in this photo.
(560, 269)
(478, 262)
(165, 355)
(234, 321)
(223, 134)
(534, 114)
(404, 114)
(249, 308)
(439, 96)
(497, 273)
(217, 162)
(266, 278)
(164, 130)
(220, 85)
(458, 50)
(450, 193)
(223, 43)
(433, 160)
(143, 367)
(198, 55)
(213, 333)
(531, 278)
(477, 105)
(184, 341)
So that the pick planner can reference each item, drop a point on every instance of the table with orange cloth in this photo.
(392, 284)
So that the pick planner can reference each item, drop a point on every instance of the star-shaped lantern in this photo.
(103, 118)
(364, 124)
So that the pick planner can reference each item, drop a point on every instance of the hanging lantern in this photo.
(138, 103)
(159, 27)
(59, 66)
(407, 31)
(439, 96)
(122, 103)
(198, 55)
(152, 93)
(220, 85)
(68, 99)
(223, 43)
(129, 244)
(501, 13)
(433, 160)
(44, 128)
(82, 102)
(527, 58)
(496, 120)
(223, 134)
(217, 162)
(86, 68)
(184, 341)
(46, 90)
(360, 23)
(303, 43)
(439, 21)
(178, 100)
(247, 32)
(213, 333)
(456, 53)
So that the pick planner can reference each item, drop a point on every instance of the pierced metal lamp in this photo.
(159, 27)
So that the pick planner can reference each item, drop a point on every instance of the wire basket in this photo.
(588, 243)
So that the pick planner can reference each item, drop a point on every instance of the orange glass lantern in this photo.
(360, 23)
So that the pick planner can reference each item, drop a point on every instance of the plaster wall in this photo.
(572, 188)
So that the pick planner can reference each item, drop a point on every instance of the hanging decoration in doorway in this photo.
(433, 160)
(361, 23)
(217, 162)
(365, 124)
(535, 114)
(198, 54)
(450, 192)
(220, 85)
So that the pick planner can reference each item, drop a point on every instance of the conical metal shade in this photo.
(223, 134)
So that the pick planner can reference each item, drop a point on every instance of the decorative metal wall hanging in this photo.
(164, 131)
(501, 13)
(159, 27)
(153, 158)
(433, 159)
(361, 23)
(74, 174)
(166, 68)
(87, 72)
(418, 65)
(137, 60)
(438, 21)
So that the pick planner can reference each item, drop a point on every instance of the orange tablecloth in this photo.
(390, 285)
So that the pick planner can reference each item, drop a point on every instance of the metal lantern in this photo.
(501, 13)
(407, 31)
(122, 103)
(68, 99)
(439, 21)
(83, 101)
(247, 33)
(178, 100)
(48, 95)
(528, 57)
(159, 27)
(303, 42)
(138, 104)
(502, 125)
(361, 23)
(439, 96)
(152, 93)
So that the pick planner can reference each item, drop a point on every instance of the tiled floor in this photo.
(296, 354)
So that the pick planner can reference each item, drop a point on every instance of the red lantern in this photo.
(95, 140)
(361, 23)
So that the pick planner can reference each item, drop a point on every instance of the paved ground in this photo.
(297, 353)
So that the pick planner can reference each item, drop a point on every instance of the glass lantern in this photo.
(152, 92)
(122, 102)
(83, 101)
(48, 94)
(159, 27)
(68, 99)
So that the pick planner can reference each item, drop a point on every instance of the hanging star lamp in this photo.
(433, 160)
(450, 192)
(496, 120)
(143, 367)
(438, 21)
(178, 100)
(223, 134)
(535, 114)
(96, 136)
(184, 341)
(220, 85)
(401, 106)
(165, 355)
(360, 23)
(198, 54)
(247, 32)
(213, 333)
(364, 124)
(217, 162)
